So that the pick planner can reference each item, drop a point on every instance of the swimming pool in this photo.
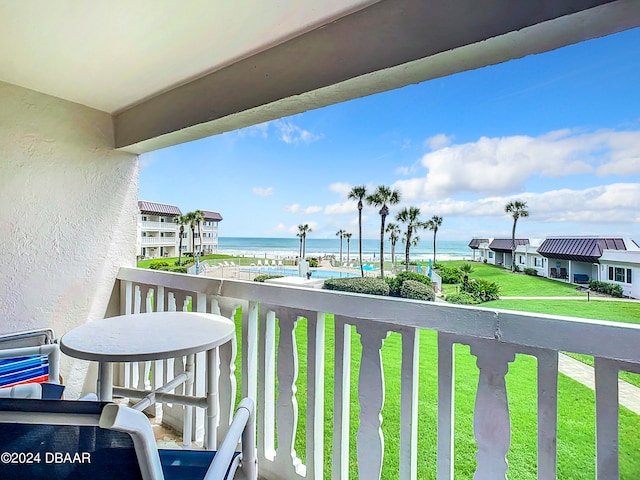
(316, 273)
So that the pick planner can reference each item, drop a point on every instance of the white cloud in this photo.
(340, 188)
(263, 192)
(290, 133)
(438, 141)
(259, 130)
(495, 166)
(296, 208)
(615, 203)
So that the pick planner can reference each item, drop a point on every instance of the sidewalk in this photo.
(628, 395)
(592, 297)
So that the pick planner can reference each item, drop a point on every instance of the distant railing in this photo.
(148, 225)
(271, 359)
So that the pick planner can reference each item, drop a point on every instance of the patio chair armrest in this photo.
(136, 424)
(242, 428)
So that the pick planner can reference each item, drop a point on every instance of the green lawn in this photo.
(517, 284)
(576, 430)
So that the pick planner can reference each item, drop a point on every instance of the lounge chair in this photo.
(553, 272)
(95, 440)
(31, 356)
(563, 273)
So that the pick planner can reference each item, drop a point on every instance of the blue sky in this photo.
(560, 131)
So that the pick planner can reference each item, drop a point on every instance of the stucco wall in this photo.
(68, 205)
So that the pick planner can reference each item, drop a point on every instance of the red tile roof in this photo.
(152, 208)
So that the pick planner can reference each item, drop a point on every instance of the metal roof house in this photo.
(500, 250)
(578, 259)
(86, 87)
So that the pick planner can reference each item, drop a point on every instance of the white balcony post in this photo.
(369, 439)
(491, 422)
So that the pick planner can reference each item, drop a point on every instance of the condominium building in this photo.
(159, 231)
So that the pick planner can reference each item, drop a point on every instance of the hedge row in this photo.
(262, 278)
(405, 284)
(612, 289)
(530, 271)
(371, 286)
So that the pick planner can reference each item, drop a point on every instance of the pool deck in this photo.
(239, 272)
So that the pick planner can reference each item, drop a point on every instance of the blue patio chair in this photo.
(29, 357)
(59, 439)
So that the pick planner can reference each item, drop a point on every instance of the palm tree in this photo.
(340, 233)
(517, 209)
(411, 217)
(382, 196)
(348, 236)
(302, 233)
(181, 220)
(191, 221)
(434, 224)
(394, 234)
(198, 217)
(359, 193)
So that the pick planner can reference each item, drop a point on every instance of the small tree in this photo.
(181, 220)
(302, 233)
(359, 193)
(394, 234)
(340, 233)
(382, 196)
(517, 209)
(348, 236)
(434, 224)
(198, 217)
(411, 217)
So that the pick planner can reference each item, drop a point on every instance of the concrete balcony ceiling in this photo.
(171, 72)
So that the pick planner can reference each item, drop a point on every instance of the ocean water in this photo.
(290, 248)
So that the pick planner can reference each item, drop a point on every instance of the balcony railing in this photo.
(149, 225)
(271, 360)
(158, 241)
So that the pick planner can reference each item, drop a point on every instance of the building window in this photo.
(144, 218)
(490, 254)
(619, 274)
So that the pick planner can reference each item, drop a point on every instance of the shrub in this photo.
(482, 290)
(262, 278)
(516, 268)
(607, 288)
(313, 262)
(530, 271)
(370, 286)
(466, 268)
(158, 264)
(462, 298)
(395, 283)
(176, 269)
(417, 291)
(449, 275)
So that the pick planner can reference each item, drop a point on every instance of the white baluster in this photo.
(227, 385)
(491, 422)
(607, 412)
(341, 399)
(315, 396)
(547, 413)
(250, 352)
(266, 385)
(369, 439)
(287, 406)
(409, 405)
(446, 410)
